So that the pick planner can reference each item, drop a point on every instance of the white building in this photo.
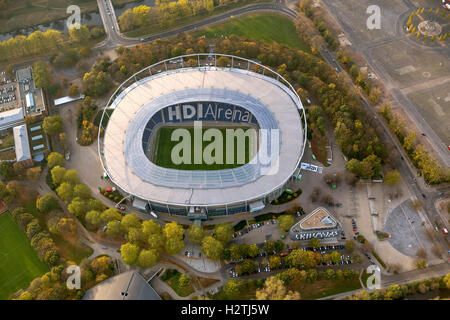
(22, 146)
(11, 118)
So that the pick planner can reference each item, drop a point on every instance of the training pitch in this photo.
(19, 262)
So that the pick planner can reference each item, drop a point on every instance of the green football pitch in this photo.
(19, 262)
(163, 152)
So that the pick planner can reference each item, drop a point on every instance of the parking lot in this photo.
(8, 95)
(262, 263)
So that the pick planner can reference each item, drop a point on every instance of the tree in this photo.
(335, 256)
(233, 288)
(54, 159)
(274, 289)
(79, 33)
(253, 250)
(223, 232)
(65, 191)
(184, 280)
(150, 227)
(77, 207)
(303, 259)
(173, 234)
(33, 228)
(46, 203)
(94, 218)
(74, 91)
(52, 125)
(102, 264)
(196, 233)
(41, 75)
(129, 253)
(212, 248)
(113, 228)
(394, 291)
(6, 170)
(314, 242)
(57, 173)
(147, 258)
(66, 227)
(392, 178)
(285, 222)
(71, 176)
(82, 191)
(130, 221)
(110, 215)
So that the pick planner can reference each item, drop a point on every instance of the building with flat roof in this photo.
(22, 146)
(125, 286)
(11, 118)
(319, 224)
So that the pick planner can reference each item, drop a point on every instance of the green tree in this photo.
(113, 228)
(52, 125)
(129, 253)
(54, 159)
(79, 34)
(82, 191)
(314, 242)
(77, 207)
(253, 250)
(196, 233)
(94, 218)
(184, 280)
(147, 258)
(65, 191)
(173, 234)
(71, 176)
(57, 173)
(223, 232)
(130, 221)
(41, 75)
(110, 215)
(46, 203)
(212, 248)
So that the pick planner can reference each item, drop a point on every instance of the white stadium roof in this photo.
(273, 104)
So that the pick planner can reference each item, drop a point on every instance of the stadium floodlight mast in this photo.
(202, 62)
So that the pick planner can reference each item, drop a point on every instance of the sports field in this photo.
(162, 155)
(19, 262)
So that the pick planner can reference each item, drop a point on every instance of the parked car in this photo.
(444, 230)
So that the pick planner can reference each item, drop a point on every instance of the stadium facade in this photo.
(171, 93)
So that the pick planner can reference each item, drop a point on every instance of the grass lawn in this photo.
(164, 146)
(323, 288)
(171, 277)
(268, 27)
(19, 263)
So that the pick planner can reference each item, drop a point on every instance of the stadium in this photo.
(216, 91)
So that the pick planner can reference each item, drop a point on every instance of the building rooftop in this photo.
(11, 118)
(273, 104)
(22, 146)
(125, 286)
